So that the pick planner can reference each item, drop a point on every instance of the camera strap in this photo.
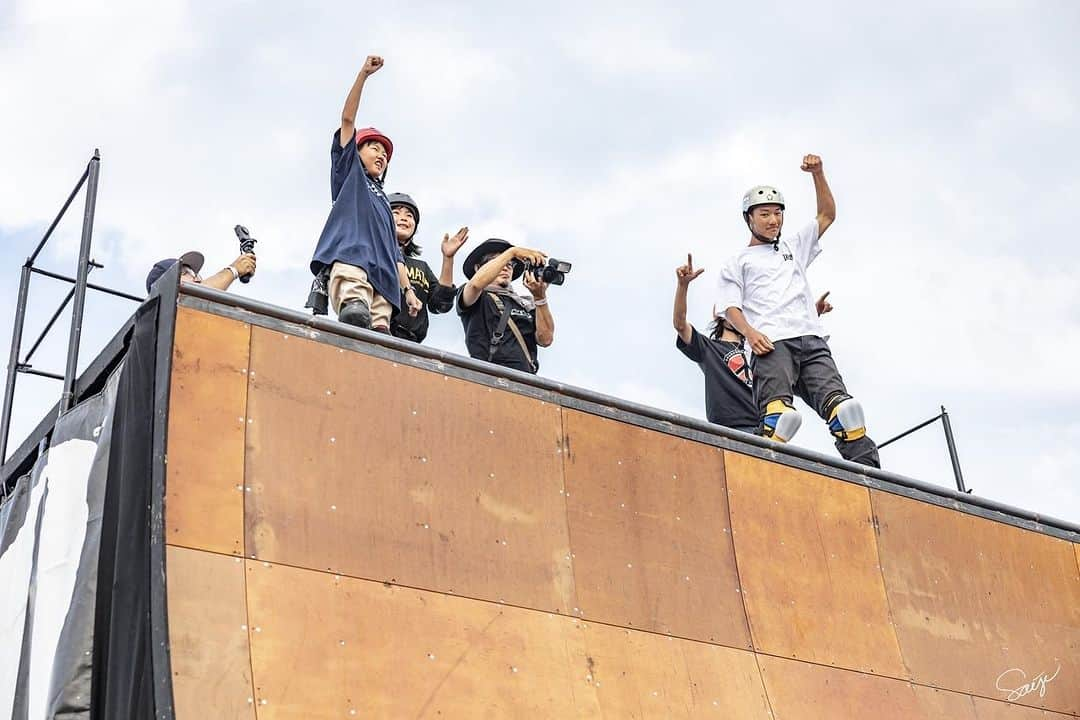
(500, 329)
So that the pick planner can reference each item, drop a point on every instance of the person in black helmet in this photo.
(765, 295)
(501, 326)
(437, 294)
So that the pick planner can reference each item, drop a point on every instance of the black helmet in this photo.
(410, 248)
(396, 199)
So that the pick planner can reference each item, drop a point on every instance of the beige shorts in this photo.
(349, 282)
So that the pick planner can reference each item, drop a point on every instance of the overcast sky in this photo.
(620, 138)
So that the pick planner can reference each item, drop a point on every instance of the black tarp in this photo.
(122, 649)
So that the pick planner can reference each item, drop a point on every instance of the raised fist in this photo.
(372, 64)
(811, 164)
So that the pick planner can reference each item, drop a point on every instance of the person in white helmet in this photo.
(765, 295)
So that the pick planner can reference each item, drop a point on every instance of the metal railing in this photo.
(76, 297)
(949, 440)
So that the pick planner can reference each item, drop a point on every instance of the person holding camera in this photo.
(358, 252)
(436, 293)
(191, 264)
(501, 326)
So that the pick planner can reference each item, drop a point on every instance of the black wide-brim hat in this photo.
(491, 246)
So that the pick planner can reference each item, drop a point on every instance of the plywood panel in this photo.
(377, 470)
(204, 506)
(326, 646)
(972, 599)
(808, 564)
(644, 675)
(649, 531)
(208, 636)
(803, 691)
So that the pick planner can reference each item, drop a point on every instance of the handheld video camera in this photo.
(553, 273)
(247, 247)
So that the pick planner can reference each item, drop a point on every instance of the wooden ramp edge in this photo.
(351, 535)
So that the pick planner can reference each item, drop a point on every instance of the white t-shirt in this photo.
(768, 283)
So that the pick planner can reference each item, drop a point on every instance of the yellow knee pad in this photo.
(781, 421)
(846, 421)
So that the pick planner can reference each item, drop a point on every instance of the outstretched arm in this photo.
(826, 205)
(685, 275)
(222, 279)
(486, 273)
(352, 102)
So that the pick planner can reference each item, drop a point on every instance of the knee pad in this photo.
(781, 421)
(846, 420)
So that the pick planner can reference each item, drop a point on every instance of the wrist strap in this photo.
(541, 301)
(235, 273)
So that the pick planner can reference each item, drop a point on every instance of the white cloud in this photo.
(611, 44)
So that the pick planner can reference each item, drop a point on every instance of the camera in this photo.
(553, 273)
(247, 247)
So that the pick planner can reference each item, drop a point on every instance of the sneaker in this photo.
(355, 312)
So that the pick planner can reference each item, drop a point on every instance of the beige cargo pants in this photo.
(349, 282)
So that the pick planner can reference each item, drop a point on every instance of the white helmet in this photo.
(762, 195)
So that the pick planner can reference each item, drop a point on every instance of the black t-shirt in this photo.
(437, 298)
(482, 317)
(729, 383)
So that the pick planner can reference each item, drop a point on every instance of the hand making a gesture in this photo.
(686, 273)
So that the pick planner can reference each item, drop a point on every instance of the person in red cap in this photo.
(357, 256)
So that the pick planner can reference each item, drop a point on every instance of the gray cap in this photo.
(193, 260)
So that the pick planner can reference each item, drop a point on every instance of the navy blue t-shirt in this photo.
(360, 228)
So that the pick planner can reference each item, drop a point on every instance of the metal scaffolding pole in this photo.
(67, 399)
(13, 358)
(951, 442)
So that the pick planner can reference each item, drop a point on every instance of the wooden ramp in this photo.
(354, 533)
